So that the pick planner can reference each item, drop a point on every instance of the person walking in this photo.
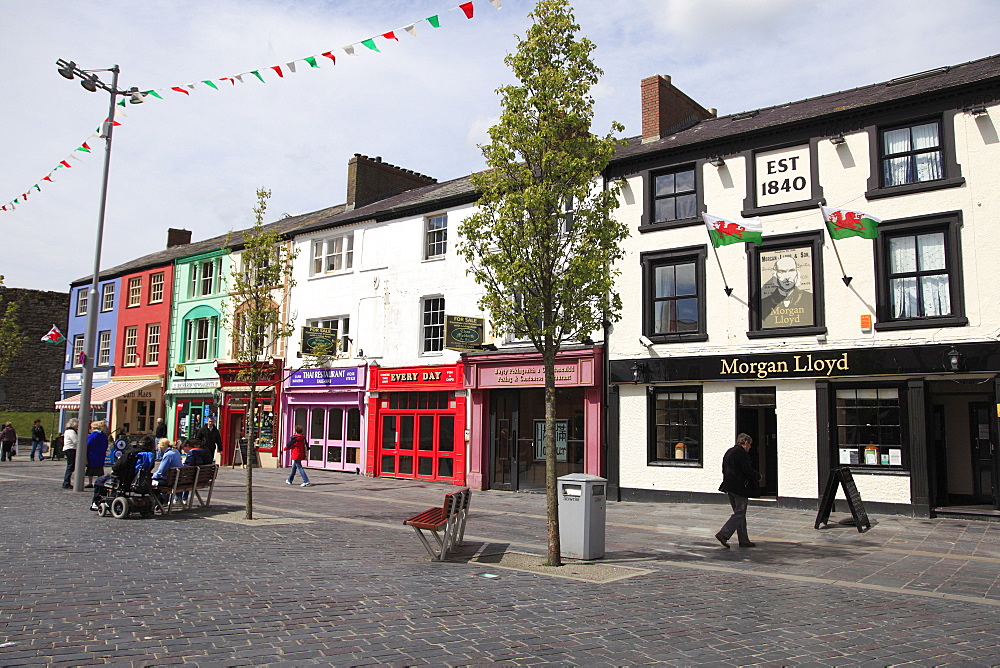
(38, 440)
(8, 442)
(297, 446)
(161, 429)
(210, 439)
(71, 439)
(739, 482)
(97, 451)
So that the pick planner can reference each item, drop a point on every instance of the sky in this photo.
(424, 103)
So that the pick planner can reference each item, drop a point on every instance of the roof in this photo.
(827, 107)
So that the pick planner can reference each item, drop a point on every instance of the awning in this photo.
(105, 393)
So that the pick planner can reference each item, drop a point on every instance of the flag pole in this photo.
(729, 290)
(844, 277)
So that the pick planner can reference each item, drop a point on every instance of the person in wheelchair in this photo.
(125, 472)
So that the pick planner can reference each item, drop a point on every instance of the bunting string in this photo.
(328, 58)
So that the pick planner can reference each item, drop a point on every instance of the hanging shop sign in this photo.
(463, 333)
(319, 341)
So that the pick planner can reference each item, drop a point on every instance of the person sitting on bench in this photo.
(171, 458)
(194, 454)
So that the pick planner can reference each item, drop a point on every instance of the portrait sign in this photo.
(783, 176)
(786, 290)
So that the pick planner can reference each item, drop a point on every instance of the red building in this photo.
(232, 414)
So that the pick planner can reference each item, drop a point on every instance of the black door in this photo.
(984, 473)
(503, 439)
(755, 416)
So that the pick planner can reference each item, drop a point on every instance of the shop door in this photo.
(420, 445)
(503, 440)
(234, 435)
(333, 437)
(984, 463)
(755, 415)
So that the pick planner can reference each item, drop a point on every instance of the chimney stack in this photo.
(666, 110)
(177, 237)
(370, 180)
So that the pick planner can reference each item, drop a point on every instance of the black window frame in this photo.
(651, 440)
(650, 261)
(778, 243)
(904, 429)
(648, 221)
(950, 223)
(952, 170)
(750, 208)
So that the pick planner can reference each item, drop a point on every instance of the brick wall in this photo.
(370, 179)
(32, 383)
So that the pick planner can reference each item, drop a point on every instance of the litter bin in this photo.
(582, 505)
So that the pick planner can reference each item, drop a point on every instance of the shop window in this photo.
(436, 233)
(354, 424)
(870, 428)
(145, 417)
(104, 349)
(674, 295)
(156, 288)
(672, 198)
(913, 157)
(108, 297)
(919, 282)
(134, 291)
(786, 287)
(333, 255)
(432, 329)
(675, 426)
(153, 344)
(130, 354)
(81, 301)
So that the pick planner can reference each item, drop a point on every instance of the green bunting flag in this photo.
(154, 94)
(434, 21)
(311, 60)
(370, 43)
(210, 83)
(256, 73)
(843, 223)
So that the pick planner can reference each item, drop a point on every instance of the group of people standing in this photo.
(8, 441)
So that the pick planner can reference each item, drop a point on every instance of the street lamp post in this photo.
(91, 82)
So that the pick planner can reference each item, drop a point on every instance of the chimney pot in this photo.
(665, 109)
(177, 237)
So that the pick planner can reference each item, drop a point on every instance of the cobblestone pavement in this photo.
(346, 583)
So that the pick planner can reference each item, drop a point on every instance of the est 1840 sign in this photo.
(783, 175)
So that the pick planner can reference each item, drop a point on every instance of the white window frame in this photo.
(156, 287)
(107, 297)
(197, 286)
(152, 344)
(342, 325)
(77, 350)
(432, 334)
(326, 255)
(203, 333)
(82, 296)
(134, 292)
(130, 347)
(104, 348)
(435, 236)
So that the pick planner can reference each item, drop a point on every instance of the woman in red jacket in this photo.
(297, 445)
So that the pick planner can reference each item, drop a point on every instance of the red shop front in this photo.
(416, 427)
(235, 401)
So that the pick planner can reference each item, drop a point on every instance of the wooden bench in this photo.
(191, 479)
(446, 523)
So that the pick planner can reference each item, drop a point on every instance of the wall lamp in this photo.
(717, 161)
(953, 359)
(640, 372)
(976, 110)
(837, 139)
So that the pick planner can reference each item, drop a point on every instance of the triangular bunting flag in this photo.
(390, 35)
(36, 187)
(467, 8)
(239, 77)
(411, 29)
(256, 73)
(844, 223)
(329, 54)
(435, 21)
(64, 163)
(370, 43)
(229, 79)
(54, 336)
(291, 66)
(497, 3)
(180, 90)
(83, 147)
(723, 231)
(48, 178)
(210, 84)
(76, 157)
(121, 103)
(154, 94)
(311, 60)
(277, 68)
(349, 50)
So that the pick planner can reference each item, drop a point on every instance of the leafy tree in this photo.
(11, 337)
(254, 313)
(543, 241)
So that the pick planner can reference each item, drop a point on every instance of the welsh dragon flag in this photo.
(724, 231)
(54, 336)
(845, 223)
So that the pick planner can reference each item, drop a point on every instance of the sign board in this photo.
(844, 477)
(783, 176)
(335, 377)
(562, 428)
(463, 333)
(319, 341)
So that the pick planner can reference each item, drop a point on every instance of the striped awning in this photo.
(105, 393)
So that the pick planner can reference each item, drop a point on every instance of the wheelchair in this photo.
(123, 497)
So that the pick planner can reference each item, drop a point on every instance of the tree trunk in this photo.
(551, 486)
(247, 461)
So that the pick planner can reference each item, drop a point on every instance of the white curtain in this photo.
(924, 296)
(913, 168)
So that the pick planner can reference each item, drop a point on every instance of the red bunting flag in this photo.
(180, 90)
(48, 178)
(390, 35)
(229, 79)
(330, 55)
(64, 163)
(277, 68)
(467, 8)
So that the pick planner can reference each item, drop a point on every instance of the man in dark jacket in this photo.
(210, 439)
(739, 481)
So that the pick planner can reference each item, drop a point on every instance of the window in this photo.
(674, 196)
(433, 324)
(335, 254)
(674, 295)
(675, 426)
(914, 157)
(134, 291)
(786, 286)
(919, 274)
(437, 237)
(200, 339)
(870, 428)
(342, 327)
(911, 154)
(254, 339)
(77, 350)
(205, 279)
(131, 349)
(152, 344)
(520, 333)
(104, 348)
(81, 301)
(156, 288)
(108, 297)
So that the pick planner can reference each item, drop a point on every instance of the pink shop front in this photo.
(508, 417)
(329, 403)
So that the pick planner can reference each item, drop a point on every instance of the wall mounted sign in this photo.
(319, 341)
(527, 375)
(783, 176)
(786, 289)
(347, 376)
(417, 378)
(463, 333)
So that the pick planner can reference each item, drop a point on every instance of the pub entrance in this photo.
(963, 442)
(517, 433)
(755, 416)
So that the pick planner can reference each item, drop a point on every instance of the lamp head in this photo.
(89, 84)
(67, 68)
(134, 96)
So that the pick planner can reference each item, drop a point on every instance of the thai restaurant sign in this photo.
(347, 376)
